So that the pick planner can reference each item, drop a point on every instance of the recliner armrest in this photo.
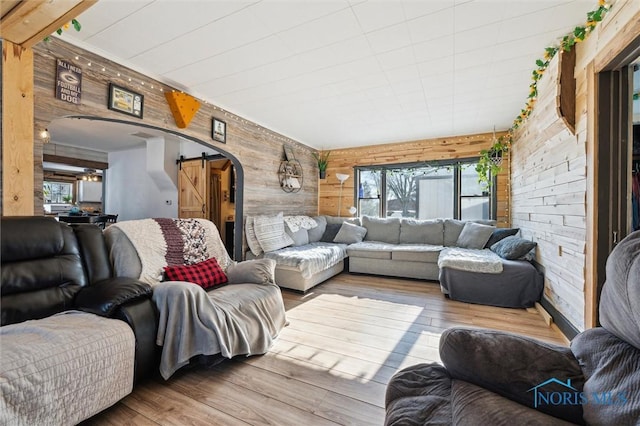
(104, 297)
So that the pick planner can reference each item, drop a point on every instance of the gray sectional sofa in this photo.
(446, 250)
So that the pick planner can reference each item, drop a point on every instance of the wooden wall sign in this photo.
(68, 82)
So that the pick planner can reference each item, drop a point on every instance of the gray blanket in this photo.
(237, 319)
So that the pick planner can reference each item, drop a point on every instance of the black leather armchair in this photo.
(50, 267)
(494, 378)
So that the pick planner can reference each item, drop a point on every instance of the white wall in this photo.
(130, 190)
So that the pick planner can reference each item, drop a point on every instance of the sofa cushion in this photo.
(512, 248)
(474, 235)
(300, 237)
(452, 230)
(500, 234)
(371, 250)
(252, 241)
(270, 232)
(205, 274)
(416, 253)
(414, 231)
(386, 230)
(315, 234)
(333, 220)
(258, 271)
(612, 369)
(350, 233)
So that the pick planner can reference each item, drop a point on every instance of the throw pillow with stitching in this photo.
(512, 248)
(474, 235)
(270, 232)
(500, 234)
(350, 234)
(206, 274)
(330, 232)
(252, 241)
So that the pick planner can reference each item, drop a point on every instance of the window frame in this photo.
(457, 183)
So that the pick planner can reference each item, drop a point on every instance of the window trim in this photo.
(457, 183)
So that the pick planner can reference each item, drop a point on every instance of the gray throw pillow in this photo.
(259, 271)
(474, 235)
(500, 234)
(330, 232)
(300, 237)
(350, 234)
(315, 234)
(512, 248)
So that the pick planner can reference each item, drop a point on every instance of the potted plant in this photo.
(490, 161)
(322, 159)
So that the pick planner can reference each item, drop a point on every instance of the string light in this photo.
(152, 85)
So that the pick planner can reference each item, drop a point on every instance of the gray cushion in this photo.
(414, 231)
(300, 237)
(512, 247)
(620, 300)
(386, 230)
(474, 235)
(330, 232)
(339, 219)
(500, 234)
(452, 230)
(270, 232)
(260, 271)
(350, 234)
(370, 250)
(611, 366)
(417, 253)
(315, 234)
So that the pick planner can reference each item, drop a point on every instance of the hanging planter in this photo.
(490, 161)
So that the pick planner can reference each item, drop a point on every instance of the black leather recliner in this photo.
(49, 267)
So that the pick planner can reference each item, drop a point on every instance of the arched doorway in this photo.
(95, 133)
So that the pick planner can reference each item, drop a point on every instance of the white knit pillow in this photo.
(270, 232)
(252, 241)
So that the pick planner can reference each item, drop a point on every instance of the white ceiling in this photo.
(340, 73)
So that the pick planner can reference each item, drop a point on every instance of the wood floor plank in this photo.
(346, 339)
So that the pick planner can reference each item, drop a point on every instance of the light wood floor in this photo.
(345, 339)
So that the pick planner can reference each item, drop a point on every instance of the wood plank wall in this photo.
(552, 172)
(344, 161)
(258, 149)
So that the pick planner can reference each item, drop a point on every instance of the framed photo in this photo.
(288, 152)
(125, 101)
(219, 130)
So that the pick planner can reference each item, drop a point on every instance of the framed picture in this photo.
(219, 130)
(288, 152)
(125, 101)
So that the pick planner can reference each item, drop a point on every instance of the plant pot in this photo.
(496, 158)
(323, 174)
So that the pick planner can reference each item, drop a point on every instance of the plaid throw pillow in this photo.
(205, 274)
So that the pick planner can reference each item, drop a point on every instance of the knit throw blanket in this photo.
(168, 242)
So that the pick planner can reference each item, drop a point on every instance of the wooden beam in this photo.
(17, 130)
(76, 162)
(30, 21)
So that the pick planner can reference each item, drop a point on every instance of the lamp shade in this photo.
(342, 177)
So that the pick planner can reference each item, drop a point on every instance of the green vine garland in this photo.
(501, 145)
(74, 22)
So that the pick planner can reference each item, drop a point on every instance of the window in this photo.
(438, 190)
(57, 192)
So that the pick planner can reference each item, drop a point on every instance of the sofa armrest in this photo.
(512, 366)
(103, 297)
(259, 271)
